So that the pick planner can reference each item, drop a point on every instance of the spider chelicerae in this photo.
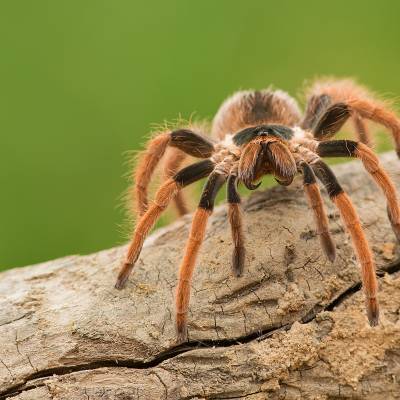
(255, 133)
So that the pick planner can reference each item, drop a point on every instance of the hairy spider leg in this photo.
(361, 128)
(335, 117)
(184, 139)
(376, 112)
(349, 148)
(359, 240)
(164, 195)
(361, 103)
(316, 106)
(236, 222)
(148, 160)
(173, 160)
(196, 237)
(316, 204)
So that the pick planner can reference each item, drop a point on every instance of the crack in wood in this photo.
(258, 335)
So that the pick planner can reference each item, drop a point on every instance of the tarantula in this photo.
(263, 132)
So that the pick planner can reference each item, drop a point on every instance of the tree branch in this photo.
(293, 326)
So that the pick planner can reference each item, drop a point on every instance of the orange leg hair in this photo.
(361, 129)
(173, 160)
(362, 105)
(186, 269)
(183, 139)
(196, 237)
(364, 254)
(316, 204)
(164, 195)
(359, 240)
(349, 148)
(148, 161)
(372, 165)
(376, 112)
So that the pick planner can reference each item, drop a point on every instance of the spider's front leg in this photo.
(163, 197)
(359, 240)
(349, 148)
(196, 237)
(327, 125)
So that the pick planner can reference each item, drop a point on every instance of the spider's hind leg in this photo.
(359, 240)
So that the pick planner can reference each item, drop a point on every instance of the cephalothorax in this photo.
(255, 133)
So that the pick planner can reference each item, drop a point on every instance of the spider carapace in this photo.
(264, 132)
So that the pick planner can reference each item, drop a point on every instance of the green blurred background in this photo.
(82, 81)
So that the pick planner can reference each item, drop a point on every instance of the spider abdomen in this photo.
(255, 107)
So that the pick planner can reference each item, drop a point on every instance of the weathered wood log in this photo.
(293, 327)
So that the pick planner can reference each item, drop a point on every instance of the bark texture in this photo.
(292, 327)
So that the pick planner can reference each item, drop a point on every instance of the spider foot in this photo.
(395, 225)
(328, 246)
(396, 230)
(373, 311)
(123, 276)
(181, 332)
(238, 261)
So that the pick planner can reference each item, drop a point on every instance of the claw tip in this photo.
(373, 312)
(181, 331)
(120, 284)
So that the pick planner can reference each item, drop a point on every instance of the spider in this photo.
(255, 133)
